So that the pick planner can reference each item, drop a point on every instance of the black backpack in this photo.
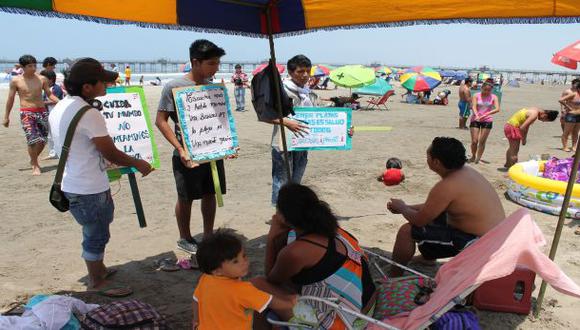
(264, 98)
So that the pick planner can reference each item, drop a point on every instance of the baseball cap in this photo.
(87, 70)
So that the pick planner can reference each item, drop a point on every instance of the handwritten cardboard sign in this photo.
(328, 129)
(129, 125)
(206, 122)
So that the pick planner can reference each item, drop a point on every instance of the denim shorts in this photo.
(95, 213)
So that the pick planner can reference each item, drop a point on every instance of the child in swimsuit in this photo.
(393, 175)
(517, 127)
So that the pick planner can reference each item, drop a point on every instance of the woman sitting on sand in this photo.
(309, 254)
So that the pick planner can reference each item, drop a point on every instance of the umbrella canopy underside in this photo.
(291, 17)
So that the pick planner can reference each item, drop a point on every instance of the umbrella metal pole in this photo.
(559, 226)
(277, 83)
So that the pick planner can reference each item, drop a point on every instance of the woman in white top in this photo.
(85, 182)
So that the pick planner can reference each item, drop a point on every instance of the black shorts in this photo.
(481, 124)
(193, 183)
(571, 118)
(439, 240)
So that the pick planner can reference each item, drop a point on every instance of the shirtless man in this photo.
(459, 209)
(464, 102)
(33, 113)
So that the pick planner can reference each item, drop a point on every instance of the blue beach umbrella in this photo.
(379, 87)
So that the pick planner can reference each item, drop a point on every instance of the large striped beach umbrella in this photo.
(290, 17)
(319, 71)
(383, 69)
(420, 79)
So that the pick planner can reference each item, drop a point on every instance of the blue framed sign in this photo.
(207, 125)
(328, 129)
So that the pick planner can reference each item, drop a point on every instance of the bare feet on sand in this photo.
(36, 170)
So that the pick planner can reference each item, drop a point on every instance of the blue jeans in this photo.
(297, 160)
(240, 95)
(95, 213)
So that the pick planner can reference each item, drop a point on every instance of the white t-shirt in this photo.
(85, 170)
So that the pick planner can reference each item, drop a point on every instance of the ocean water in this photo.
(147, 77)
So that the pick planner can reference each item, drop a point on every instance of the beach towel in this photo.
(559, 169)
(515, 241)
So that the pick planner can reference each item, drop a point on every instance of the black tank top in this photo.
(330, 262)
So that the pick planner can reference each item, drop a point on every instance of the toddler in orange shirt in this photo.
(221, 299)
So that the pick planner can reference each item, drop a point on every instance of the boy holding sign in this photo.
(193, 181)
(299, 70)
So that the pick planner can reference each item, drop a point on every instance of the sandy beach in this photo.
(41, 247)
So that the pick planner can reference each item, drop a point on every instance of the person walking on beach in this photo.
(517, 128)
(567, 134)
(483, 106)
(193, 181)
(459, 209)
(571, 102)
(299, 71)
(127, 75)
(464, 102)
(85, 182)
(240, 80)
(33, 114)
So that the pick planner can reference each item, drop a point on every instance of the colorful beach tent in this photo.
(569, 56)
(289, 17)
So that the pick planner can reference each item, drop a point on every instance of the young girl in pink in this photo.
(483, 106)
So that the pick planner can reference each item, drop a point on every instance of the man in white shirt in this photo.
(85, 182)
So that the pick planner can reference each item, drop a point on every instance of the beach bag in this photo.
(402, 294)
(264, 96)
(56, 196)
(457, 320)
(125, 314)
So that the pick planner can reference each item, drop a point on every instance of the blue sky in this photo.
(464, 45)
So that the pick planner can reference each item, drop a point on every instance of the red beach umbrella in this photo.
(568, 57)
(262, 66)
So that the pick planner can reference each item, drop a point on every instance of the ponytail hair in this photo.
(303, 210)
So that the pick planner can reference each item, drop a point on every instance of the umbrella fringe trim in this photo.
(483, 21)
(110, 21)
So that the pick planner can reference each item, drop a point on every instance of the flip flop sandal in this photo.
(106, 291)
(168, 265)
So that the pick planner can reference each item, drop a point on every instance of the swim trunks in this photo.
(439, 240)
(35, 125)
(463, 108)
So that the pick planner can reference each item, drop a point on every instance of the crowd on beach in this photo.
(307, 252)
